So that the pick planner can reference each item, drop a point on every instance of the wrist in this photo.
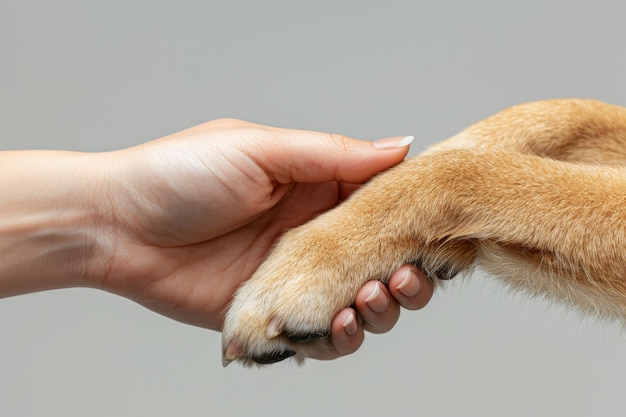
(50, 215)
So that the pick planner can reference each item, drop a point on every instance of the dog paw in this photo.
(286, 309)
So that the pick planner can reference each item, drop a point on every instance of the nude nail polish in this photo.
(393, 142)
(407, 287)
(350, 326)
(376, 300)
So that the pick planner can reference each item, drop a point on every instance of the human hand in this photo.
(191, 216)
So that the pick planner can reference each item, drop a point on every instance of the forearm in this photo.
(48, 221)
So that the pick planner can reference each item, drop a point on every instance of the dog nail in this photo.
(377, 300)
(350, 326)
(394, 142)
(273, 329)
(409, 287)
(232, 352)
(446, 273)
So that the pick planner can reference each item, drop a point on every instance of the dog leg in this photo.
(531, 208)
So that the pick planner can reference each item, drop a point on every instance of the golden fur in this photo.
(535, 195)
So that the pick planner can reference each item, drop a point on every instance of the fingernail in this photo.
(409, 287)
(393, 142)
(377, 300)
(350, 326)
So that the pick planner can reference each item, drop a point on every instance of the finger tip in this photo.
(347, 333)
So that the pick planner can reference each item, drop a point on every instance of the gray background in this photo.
(104, 75)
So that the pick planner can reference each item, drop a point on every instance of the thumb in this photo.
(308, 156)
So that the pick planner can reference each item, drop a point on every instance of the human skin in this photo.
(177, 224)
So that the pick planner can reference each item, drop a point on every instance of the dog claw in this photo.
(273, 329)
(231, 353)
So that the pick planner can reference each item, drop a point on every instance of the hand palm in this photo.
(197, 239)
(194, 214)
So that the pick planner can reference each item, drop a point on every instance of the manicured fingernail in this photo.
(350, 326)
(409, 286)
(377, 300)
(394, 142)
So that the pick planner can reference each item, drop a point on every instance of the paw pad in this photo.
(323, 335)
(273, 357)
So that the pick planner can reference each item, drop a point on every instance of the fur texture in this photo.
(535, 195)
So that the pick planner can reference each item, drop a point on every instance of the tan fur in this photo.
(535, 195)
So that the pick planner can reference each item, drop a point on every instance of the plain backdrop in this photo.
(103, 75)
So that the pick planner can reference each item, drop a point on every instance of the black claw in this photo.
(308, 337)
(444, 273)
(417, 263)
(447, 272)
(273, 357)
